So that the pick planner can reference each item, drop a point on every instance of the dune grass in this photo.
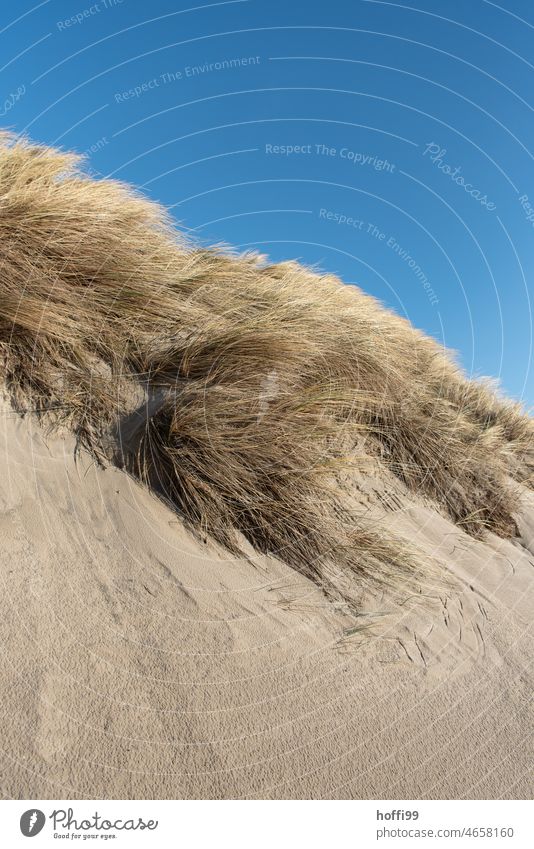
(257, 386)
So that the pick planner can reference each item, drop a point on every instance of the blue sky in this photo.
(390, 143)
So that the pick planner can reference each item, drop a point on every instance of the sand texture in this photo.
(140, 662)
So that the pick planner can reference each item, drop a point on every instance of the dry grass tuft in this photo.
(237, 390)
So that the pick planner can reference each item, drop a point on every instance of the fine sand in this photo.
(140, 662)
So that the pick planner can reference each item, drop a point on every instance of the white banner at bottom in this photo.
(269, 824)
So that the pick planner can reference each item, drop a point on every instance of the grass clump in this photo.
(239, 391)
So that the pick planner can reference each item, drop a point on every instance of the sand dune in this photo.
(140, 663)
(259, 536)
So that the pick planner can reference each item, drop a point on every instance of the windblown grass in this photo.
(256, 385)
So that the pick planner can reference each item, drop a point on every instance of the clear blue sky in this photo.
(388, 142)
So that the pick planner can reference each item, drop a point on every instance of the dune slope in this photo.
(240, 392)
(139, 663)
(259, 536)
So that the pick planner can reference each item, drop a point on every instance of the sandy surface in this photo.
(139, 663)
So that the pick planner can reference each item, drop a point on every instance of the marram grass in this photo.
(242, 393)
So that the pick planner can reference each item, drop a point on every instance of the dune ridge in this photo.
(196, 447)
(242, 393)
